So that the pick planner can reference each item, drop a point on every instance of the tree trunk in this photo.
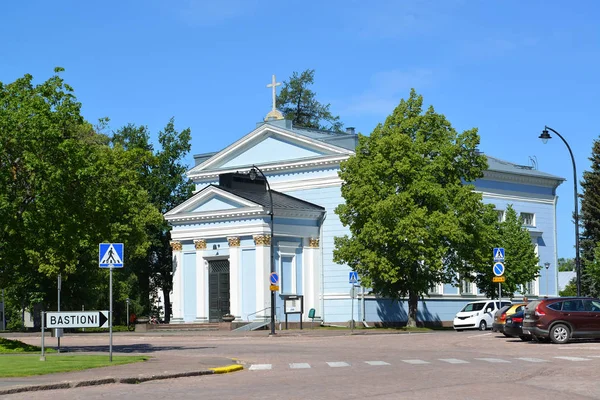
(167, 298)
(413, 302)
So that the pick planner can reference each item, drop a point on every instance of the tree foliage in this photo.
(162, 173)
(413, 221)
(566, 264)
(63, 190)
(521, 262)
(590, 220)
(299, 104)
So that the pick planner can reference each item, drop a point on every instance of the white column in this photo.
(263, 269)
(310, 275)
(201, 286)
(235, 304)
(177, 294)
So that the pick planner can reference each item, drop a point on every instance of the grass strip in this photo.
(16, 346)
(27, 365)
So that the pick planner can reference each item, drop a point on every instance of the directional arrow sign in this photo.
(77, 319)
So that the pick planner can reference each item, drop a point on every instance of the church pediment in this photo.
(268, 144)
(213, 202)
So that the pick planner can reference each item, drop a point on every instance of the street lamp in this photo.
(547, 265)
(545, 136)
(253, 176)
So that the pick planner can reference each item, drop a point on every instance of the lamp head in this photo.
(547, 265)
(545, 136)
(253, 174)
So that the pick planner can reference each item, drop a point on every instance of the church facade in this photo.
(221, 236)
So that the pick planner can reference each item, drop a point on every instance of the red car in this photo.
(562, 319)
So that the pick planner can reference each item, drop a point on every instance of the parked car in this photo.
(477, 315)
(514, 326)
(503, 313)
(562, 319)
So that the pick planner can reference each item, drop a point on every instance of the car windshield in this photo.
(473, 307)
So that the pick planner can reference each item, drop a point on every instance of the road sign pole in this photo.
(58, 333)
(352, 320)
(43, 356)
(110, 314)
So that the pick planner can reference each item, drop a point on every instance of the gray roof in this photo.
(281, 201)
(498, 165)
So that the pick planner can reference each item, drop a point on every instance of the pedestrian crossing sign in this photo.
(498, 254)
(111, 255)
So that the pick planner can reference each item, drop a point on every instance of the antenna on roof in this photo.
(534, 162)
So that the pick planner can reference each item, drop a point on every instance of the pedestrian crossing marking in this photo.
(573, 358)
(338, 364)
(299, 365)
(342, 364)
(377, 363)
(453, 361)
(260, 367)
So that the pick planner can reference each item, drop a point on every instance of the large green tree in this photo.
(413, 221)
(299, 104)
(521, 262)
(163, 174)
(590, 220)
(63, 190)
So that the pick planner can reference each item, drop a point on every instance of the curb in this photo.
(128, 380)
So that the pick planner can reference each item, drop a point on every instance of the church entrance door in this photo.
(218, 289)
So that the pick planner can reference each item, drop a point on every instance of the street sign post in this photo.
(110, 256)
(498, 268)
(273, 282)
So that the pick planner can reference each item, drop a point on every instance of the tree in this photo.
(521, 262)
(163, 175)
(63, 190)
(566, 264)
(298, 104)
(590, 220)
(413, 221)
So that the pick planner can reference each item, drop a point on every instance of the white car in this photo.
(478, 315)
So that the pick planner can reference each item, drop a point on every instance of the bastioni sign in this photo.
(77, 319)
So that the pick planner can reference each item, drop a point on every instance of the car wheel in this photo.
(559, 334)
(506, 334)
(525, 338)
(482, 326)
(459, 330)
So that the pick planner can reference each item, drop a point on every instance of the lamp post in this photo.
(547, 265)
(253, 177)
(127, 302)
(545, 136)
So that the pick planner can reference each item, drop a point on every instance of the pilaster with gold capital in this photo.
(177, 297)
(201, 279)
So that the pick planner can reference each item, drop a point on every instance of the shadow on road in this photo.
(132, 348)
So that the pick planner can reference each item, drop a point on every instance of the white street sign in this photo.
(77, 319)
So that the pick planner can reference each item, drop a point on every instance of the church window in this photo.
(528, 219)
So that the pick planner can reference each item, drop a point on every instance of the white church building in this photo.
(221, 236)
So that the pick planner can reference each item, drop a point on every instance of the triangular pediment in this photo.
(212, 200)
(268, 144)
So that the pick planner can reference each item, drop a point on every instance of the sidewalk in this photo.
(160, 366)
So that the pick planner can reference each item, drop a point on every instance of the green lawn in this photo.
(27, 365)
(15, 346)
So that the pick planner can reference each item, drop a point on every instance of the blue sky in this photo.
(505, 67)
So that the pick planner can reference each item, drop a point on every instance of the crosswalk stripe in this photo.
(453, 360)
(377, 363)
(534, 360)
(573, 358)
(415, 361)
(493, 360)
(299, 365)
(338, 364)
(259, 367)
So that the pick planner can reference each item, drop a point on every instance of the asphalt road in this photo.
(439, 365)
